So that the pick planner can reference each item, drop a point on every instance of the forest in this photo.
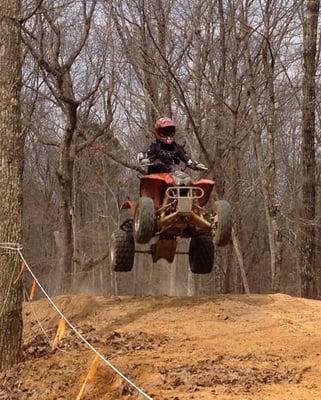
(82, 83)
(242, 89)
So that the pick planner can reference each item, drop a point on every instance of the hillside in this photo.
(224, 348)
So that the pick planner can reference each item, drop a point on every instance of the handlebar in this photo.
(196, 167)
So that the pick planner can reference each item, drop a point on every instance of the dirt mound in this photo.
(75, 308)
(224, 347)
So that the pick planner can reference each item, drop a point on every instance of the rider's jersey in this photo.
(165, 155)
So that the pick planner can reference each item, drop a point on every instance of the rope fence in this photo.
(18, 248)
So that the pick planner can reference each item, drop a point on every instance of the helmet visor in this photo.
(167, 131)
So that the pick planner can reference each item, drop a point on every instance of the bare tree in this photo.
(308, 262)
(11, 159)
(45, 40)
(228, 72)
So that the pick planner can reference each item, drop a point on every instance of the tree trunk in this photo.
(219, 107)
(165, 101)
(65, 222)
(11, 157)
(239, 257)
(269, 180)
(149, 82)
(307, 245)
(65, 179)
(266, 159)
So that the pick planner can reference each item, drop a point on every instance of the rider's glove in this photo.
(201, 167)
(192, 164)
(195, 165)
(140, 157)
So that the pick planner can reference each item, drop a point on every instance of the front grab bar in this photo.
(178, 192)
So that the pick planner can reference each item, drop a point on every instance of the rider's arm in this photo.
(187, 160)
(149, 154)
(182, 154)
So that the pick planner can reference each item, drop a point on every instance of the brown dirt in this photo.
(223, 348)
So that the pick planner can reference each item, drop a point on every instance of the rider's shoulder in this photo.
(179, 145)
(156, 145)
(153, 145)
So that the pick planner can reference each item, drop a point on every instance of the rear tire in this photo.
(222, 235)
(201, 254)
(122, 251)
(144, 220)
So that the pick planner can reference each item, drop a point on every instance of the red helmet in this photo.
(165, 130)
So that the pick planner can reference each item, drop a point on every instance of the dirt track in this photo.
(226, 347)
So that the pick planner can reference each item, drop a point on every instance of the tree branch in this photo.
(91, 262)
(32, 13)
(126, 164)
(93, 91)
(67, 65)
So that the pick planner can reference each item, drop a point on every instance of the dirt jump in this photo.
(225, 347)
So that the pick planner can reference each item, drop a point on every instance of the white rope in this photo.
(10, 246)
(14, 244)
(10, 243)
(81, 337)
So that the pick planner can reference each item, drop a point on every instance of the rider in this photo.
(165, 152)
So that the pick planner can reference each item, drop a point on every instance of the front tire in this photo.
(122, 251)
(201, 254)
(144, 220)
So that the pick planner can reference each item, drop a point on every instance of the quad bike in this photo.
(172, 205)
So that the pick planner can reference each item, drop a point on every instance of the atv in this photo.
(171, 206)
